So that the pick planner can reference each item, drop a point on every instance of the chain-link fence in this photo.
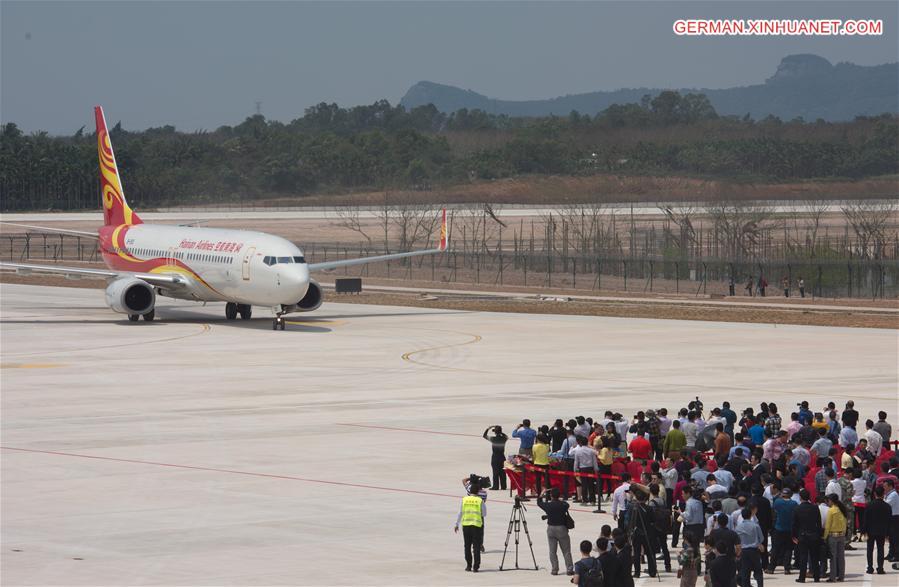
(829, 278)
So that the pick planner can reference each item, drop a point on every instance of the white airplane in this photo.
(238, 267)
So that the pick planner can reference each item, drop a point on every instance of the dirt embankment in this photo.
(561, 189)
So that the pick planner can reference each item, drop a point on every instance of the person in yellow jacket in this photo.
(471, 518)
(835, 536)
(541, 460)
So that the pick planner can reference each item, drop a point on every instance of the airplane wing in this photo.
(79, 272)
(444, 239)
(81, 233)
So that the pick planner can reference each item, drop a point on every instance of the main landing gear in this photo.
(149, 316)
(232, 310)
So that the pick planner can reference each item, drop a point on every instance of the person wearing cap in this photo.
(782, 537)
(471, 518)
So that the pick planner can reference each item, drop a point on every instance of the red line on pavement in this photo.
(409, 430)
(230, 471)
(249, 474)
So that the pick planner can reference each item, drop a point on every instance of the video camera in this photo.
(478, 482)
(696, 405)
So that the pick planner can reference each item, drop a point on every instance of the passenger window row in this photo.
(181, 255)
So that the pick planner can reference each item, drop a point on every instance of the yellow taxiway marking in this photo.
(315, 322)
(30, 365)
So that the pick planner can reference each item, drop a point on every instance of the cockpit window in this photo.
(271, 260)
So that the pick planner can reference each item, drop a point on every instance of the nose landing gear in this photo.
(278, 323)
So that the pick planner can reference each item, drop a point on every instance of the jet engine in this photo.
(311, 301)
(130, 296)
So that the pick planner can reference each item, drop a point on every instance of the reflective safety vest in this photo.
(471, 511)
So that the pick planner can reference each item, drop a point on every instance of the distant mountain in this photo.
(803, 85)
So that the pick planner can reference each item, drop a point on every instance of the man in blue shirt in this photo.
(730, 418)
(805, 415)
(694, 518)
(782, 537)
(527, 435)
(700, 476)
(724, 477)
(757, 433)
(752, 542)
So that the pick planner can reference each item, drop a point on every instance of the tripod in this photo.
(649, 550)
(516, 522)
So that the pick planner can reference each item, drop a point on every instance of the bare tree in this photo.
(870, 221)
(349, 217)
(741, 226)
(384, 214)
(682, 217)
(414, 223)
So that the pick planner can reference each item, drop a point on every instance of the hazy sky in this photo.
(204, 64)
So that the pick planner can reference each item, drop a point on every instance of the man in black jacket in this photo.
(807, 533)
(623, 552)
(608, 559)
(877, 525)
(723, 568)
(642, 530)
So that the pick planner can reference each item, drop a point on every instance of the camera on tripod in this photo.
(696, 405)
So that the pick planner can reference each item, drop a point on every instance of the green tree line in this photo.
(332, 149)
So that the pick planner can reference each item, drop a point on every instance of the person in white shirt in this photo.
(621, 427)
(875, 440)
(619, 499)
(770, 493)
(832, 486)
(715, 490)
(664, 421)
(690, 430)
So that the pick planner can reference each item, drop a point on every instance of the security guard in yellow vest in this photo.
(471, 517)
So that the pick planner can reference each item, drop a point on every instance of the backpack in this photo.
(661, 519)
(593, 576)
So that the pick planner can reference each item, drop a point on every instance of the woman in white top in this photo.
(859, 486)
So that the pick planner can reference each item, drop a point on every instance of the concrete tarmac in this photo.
(195, 451)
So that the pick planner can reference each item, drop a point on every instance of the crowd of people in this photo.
(743, 495)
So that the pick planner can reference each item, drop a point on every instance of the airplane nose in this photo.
(296, 282)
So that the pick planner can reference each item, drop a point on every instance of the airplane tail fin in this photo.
(444, 233)
(116, 210)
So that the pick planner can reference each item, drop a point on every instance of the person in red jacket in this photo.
(640, 448)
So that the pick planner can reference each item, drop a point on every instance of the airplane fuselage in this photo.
(228, 265)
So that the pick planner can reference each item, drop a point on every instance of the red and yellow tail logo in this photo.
(444, 233)
(115, 209)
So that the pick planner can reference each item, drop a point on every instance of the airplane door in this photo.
(245, 270)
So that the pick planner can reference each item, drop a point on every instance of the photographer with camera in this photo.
(557, 521)
(498, 456)
(641, 530)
